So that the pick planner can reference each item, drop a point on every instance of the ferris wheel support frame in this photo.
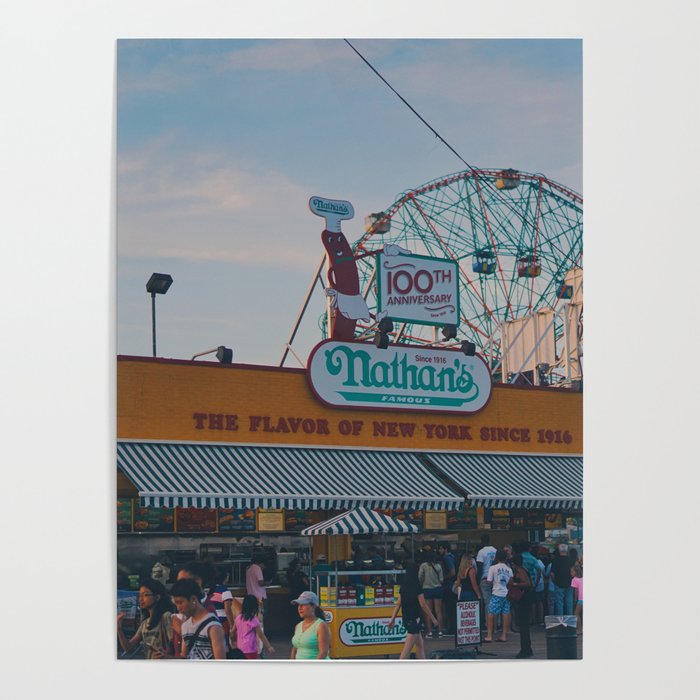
(300, 315)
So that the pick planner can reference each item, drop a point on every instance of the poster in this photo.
(500, 519)
(236, 520)
(128, 603)
(468, 629)
(124, 513)
(552, 521)
(435, 520)
(534, 519)
(196, 519)
(271, 520)
(297, 519)
(463, 519)
(150, 519)
(408, 515)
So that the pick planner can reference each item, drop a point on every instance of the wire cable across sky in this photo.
(488, 185)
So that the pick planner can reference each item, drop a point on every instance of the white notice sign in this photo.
(468, 623)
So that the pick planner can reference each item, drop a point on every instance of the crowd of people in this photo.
(526, 579)
(200, 619)
(532, 581)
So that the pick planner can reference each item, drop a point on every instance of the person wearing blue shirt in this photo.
(529, 561)
(538, 605)
(449, 598)
(550, 587)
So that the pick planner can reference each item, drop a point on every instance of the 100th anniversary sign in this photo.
(418, 289)
(360, 375)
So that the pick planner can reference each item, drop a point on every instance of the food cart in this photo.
(358, 614)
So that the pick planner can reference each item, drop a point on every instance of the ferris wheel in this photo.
(517, 240)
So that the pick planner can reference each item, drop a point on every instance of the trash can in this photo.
(560, 631)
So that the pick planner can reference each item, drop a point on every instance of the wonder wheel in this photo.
(516, 236)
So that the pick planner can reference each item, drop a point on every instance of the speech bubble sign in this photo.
(332, 210)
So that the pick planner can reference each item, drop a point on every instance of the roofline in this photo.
(301, 370)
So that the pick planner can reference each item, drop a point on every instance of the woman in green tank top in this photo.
(311, 638)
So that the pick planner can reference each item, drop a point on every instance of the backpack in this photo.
(193, 639)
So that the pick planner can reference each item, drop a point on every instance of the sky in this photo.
(220, 144)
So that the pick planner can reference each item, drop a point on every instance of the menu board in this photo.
(535, 519)
(270, 520)
(297, 519)
(413, 516)
(552, 521)
(463, 519)
(236, 520)
(435, 520)
(500, 519)
(150, 519)
(196, 519)
(124, 512)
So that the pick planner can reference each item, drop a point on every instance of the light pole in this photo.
(159, 283)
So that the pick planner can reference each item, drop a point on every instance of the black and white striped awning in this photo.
(359, 521)
(249, 476)
(515, 481)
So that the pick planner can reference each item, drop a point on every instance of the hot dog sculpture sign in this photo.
(348, 304)
(344, 372)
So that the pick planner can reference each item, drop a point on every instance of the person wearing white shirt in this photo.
(498, 575)
(484, 559)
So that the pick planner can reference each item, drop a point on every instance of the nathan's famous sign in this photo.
(356, 374)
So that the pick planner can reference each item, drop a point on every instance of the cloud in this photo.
(183, 63)
(293, 56)
(458, 75)
(203, 209)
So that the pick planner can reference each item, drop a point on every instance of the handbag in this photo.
(515, 593)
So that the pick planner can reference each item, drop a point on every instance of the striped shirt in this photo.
(201, 647)
(217, 597)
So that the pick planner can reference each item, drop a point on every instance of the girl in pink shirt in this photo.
(247, 631)
(577, 585)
